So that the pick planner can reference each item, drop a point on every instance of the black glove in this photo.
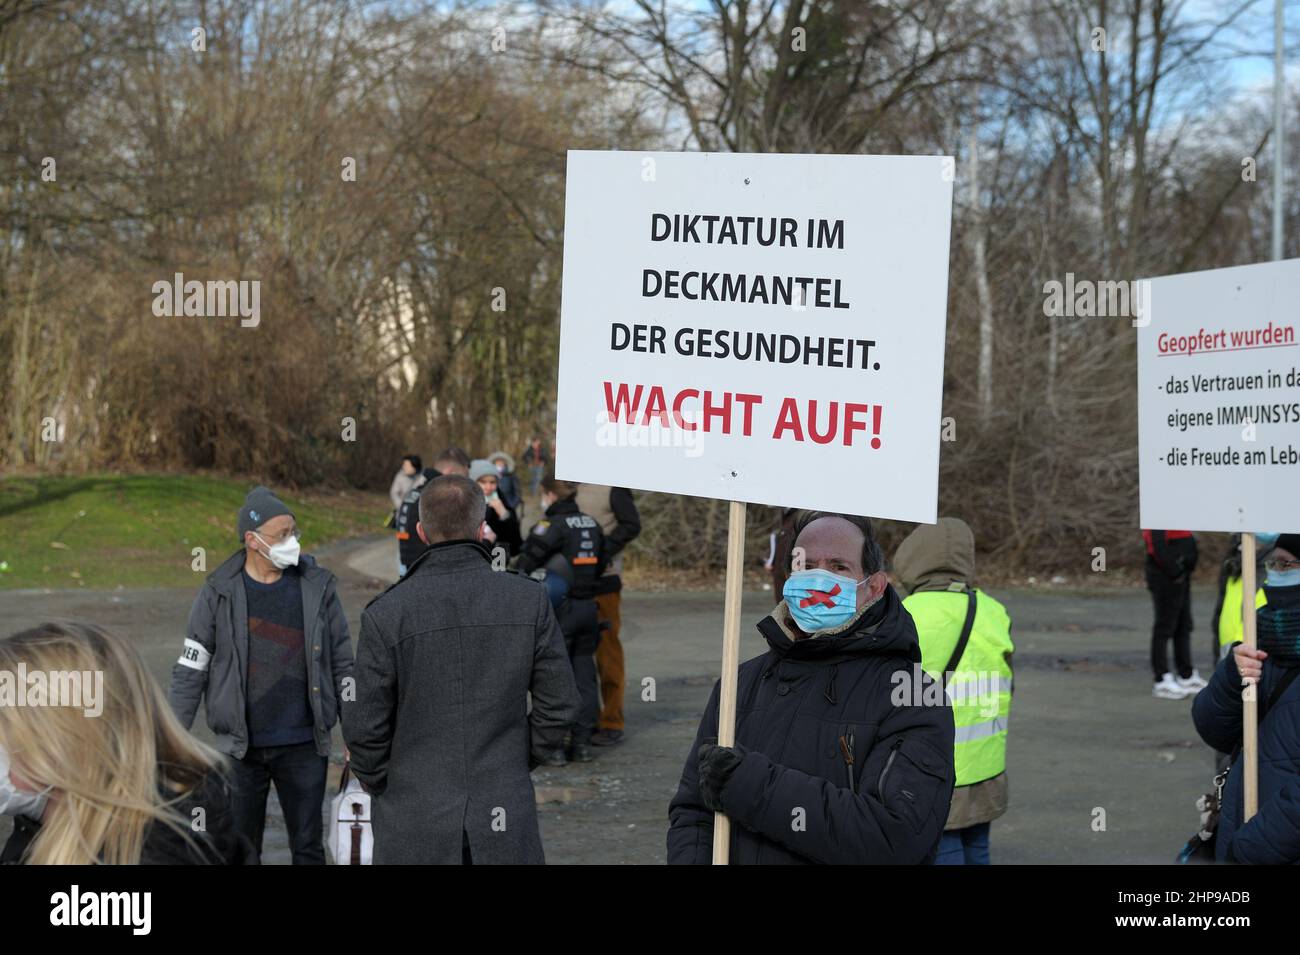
(716, 764)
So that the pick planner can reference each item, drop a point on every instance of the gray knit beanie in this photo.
(259, 507)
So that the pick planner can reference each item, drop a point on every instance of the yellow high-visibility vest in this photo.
(980, 685)
(1230, 625)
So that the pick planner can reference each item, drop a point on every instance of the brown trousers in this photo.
(609, 663)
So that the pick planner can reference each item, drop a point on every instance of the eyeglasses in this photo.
(1281, 564)
(280, 539)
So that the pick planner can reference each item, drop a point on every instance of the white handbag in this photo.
(352, 839)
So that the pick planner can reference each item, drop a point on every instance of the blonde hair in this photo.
(111, 775)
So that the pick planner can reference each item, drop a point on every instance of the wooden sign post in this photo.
(1249, 692)
(730, 660)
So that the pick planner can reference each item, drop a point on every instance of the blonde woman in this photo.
(109, 777)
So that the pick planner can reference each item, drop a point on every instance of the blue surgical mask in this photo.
(819, 600)
(1283, 578)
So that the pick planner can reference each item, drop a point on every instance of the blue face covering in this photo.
(1283, 578)
(819, 600)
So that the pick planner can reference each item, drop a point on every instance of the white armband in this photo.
(194, 655)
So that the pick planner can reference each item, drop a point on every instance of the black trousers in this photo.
(580, 623)
(299, 776)
(1173, 605)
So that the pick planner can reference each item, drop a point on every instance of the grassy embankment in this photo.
(104, 531)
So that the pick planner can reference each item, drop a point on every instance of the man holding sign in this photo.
(732, 324)
(844, 745)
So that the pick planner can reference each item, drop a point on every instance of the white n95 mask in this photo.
(284, 554)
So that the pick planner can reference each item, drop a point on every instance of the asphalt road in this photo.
(1086, 734)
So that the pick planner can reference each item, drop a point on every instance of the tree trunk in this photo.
(983, 297)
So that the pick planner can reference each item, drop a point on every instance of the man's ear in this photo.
(419, 530)
(876, 584)
(479, 535)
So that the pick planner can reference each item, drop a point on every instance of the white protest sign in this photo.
(760, 328)
(1219, 400)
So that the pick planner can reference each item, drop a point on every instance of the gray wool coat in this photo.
(440, 729)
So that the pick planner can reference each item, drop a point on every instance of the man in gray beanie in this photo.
(268, 647)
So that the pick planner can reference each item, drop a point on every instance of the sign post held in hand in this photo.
(762, 329)
(1249, 692)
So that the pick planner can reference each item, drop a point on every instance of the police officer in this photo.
(615, 510)
(570, 544)
(966, 642)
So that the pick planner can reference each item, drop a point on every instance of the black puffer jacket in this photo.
(794, 797)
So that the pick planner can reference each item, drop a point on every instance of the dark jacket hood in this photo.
(884, 627)
(936, 557)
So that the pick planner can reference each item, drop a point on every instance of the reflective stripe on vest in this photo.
(976, 688)
(1230, 624)
(991, 727)
(980, 686)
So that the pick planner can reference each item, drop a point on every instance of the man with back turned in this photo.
(440, 731)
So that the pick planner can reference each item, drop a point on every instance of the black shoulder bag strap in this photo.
(1287, 678)
(963, 639)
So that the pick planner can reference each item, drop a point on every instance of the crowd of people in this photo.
(491, 665)
(575, 549)
(873, 729)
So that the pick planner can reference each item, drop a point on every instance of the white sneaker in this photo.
(1193, 684)
(1167, 688)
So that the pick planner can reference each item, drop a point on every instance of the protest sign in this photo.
(760, 328)
(1219, 400)
(756, 328)
(1219, 421)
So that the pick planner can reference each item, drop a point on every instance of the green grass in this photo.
(140, 530)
